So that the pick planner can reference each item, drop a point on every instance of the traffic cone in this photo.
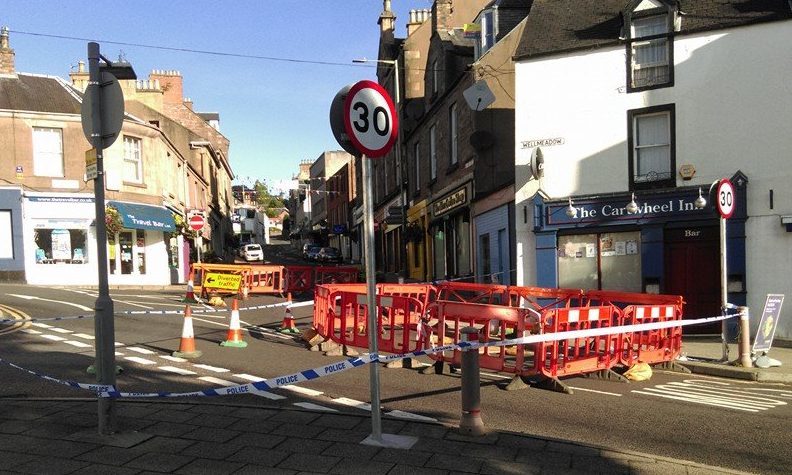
(288, 326)
(234, 336)
(190, 296)
(187, 343)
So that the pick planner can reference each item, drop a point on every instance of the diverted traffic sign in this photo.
(197, 222)
(215, 280)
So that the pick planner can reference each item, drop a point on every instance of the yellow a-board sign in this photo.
(215, 280)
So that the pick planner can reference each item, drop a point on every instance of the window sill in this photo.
(133, 184)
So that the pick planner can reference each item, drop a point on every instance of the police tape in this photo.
(109, 391)
(159, 312)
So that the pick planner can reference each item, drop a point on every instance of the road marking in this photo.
(119, 344)
(61, 330)
(176, 370)
(720, 394)
(255, 379)
(78, 344)
(175, 359)
(119, 354)
(302, 390)
(269, 331)
(132, 304)
(84, 336)
(352, 403)
(594, 391)
(214, 369)
(41, 325)
(30, 331)
(410, 415)
(142, 351)
(249, 377)
(213, 380)
(138, 360)
(314, 407)
(31, 297)
(53, 337)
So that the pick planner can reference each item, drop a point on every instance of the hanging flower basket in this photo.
(113, 222)
(183, 227)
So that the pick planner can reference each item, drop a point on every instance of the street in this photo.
(727, 423)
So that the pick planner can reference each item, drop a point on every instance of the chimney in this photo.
(6, 53)
(387, 22)
(80, 77)
(188, 103)
(417, 18)
(442, 15)
(171, 84)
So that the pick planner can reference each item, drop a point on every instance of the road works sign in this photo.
(214, 280)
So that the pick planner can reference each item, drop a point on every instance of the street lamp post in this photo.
(399, 161)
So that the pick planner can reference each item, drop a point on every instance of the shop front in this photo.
(494, 230)
(450, 232)
(417, 244)
(665, 245)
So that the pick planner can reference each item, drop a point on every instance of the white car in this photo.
(252, 252)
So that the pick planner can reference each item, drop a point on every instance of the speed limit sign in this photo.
(370, 119)
(725, 198)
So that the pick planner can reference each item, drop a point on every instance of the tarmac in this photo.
(40, 436)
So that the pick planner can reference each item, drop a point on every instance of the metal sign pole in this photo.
(371, 293)
(724, 289)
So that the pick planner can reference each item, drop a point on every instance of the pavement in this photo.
(196, 436)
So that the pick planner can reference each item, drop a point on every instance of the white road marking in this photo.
(302, 390)
(30, 331)
(119, 354)
(132, 304)
(213, 380)
(410, 415)
(31, 297)
(314, 407)
(142, 351)
(176, 370)
(269, 331)
(53, 337)
(61, 330)
(175, 359)
(720, 394)
(249, 377)
(138, 360)
(594, 391)
(78, 344)
(119, 344)
(84, 336)
(213, 369)
(41, 325)
(352, 403)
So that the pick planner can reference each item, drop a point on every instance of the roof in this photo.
(207, 116)
(555, 26)
(36, 93)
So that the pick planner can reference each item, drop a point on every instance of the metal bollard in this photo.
(470, 423)
(745, 339)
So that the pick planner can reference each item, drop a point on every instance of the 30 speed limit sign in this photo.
(725, 198)
(370, 119)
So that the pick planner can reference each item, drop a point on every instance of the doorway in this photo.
(692, 270)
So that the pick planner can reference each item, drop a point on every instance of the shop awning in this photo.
(139, 216)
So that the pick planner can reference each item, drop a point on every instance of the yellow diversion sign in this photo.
(215, 280)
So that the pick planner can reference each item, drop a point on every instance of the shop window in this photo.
(65, 246)
(604, 261)
(48, 152)
(649, 28)
(462, 244)
(6, 236)
(133, 163)
(651, 147)
(126, 252)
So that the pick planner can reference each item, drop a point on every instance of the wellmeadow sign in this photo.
(615, 208)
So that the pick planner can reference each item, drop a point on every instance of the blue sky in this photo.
(275, 113)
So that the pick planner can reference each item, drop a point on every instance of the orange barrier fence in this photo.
(651, 346)
(266, 279)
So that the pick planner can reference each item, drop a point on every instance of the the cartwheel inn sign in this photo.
(444, 205)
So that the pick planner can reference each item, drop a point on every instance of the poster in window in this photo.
(606, 246)
(61, 244)
(631, 247)
(591, 250)
(621, 248)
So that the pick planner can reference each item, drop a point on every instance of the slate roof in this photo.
(35, 93)
(556, 26)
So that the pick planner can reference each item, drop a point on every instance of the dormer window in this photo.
(649, 25)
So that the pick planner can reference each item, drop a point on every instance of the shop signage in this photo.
(615, 209)
(59, 199)
(454, 200)
(768, 323)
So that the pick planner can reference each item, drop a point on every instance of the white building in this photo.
(656, 99)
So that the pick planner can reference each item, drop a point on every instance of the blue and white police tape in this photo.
(49, 319)
(258, 386)
(97, 388)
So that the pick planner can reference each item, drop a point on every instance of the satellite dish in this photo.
(479, 96)
(537, 163)
(481, 140)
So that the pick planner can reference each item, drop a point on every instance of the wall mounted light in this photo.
(700, 202)
(632, 206)
(571, 211)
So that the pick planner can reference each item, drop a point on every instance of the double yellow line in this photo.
(7, 313)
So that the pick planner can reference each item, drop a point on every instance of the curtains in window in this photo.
(649, 58)
(652, 146)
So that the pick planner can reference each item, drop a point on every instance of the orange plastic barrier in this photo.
(335, 275)
(578, 355)
(473, 293)
(298, 279)
(650, 346)
(266, 279)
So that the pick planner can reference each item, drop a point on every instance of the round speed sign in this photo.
(370, 118)
(725, 198)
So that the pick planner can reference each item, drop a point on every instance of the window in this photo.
(60, 246)
(652, 151)
(435, 78)
(487, 31)
(48, 152)
(606, 261)
(133, 164)
(433, 153)
(6, 235)
(649, 46)
(453, 133)
(417, 159)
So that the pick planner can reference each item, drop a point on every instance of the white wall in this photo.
(733, 99)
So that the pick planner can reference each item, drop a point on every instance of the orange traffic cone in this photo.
(288, 326)
(190, 296)
(187, 344)
(234, 336)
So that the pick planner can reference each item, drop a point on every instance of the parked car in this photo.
(311, 252)
(329, 254)
(252, 252)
